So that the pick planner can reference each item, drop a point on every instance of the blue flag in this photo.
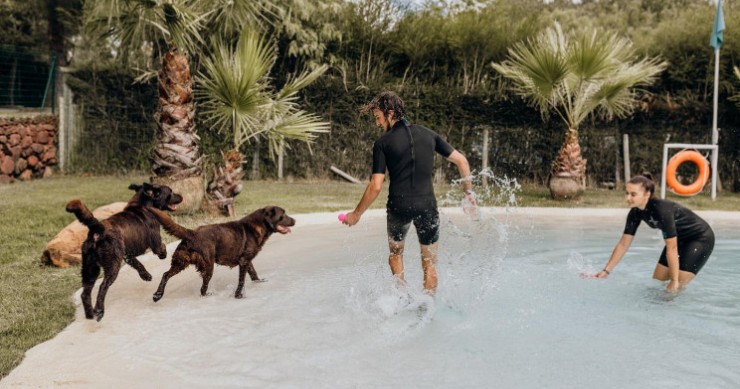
(719, 26)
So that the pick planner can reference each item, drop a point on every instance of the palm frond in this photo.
(236, 98)
(133, 24)
(304, 79)
(536, 68)
(232, 16)
(578, 75)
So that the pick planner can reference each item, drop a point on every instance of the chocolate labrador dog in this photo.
(230, 244)
(122, 236)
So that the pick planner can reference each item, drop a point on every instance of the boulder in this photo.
(66, 247)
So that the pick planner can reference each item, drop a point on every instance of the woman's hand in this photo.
(673, 286)
(601, 274)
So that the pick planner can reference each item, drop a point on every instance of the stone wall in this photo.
(27, 147)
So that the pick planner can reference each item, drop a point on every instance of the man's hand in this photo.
(470, 205)
(351, 219)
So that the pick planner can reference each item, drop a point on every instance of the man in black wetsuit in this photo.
(407, 151)
(689, 240)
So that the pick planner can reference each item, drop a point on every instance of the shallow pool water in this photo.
(511, 312)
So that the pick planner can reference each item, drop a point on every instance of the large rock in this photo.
(66, 247)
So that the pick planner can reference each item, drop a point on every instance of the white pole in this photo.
(662, 179)
(281, 152)
(626, 146)
(715, 133)
(484, 164)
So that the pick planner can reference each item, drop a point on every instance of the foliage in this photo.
(578, 75)
(431, 54)
(237, 99)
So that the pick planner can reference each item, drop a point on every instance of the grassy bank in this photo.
(35, 300)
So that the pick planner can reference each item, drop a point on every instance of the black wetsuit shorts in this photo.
(692, 253)
(423, 214)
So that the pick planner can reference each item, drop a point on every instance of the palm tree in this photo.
(236, 99)
(576, 76)
(167, 31)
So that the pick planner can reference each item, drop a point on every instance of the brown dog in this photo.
(230, 244)
(123, 236)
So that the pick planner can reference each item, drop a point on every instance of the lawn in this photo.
(36, 302)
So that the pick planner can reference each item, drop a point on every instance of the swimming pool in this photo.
(511, 312)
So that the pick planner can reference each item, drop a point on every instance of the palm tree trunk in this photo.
(568, 169)
(226, 184)
(175, 157)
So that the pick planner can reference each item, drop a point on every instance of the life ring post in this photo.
(702, 178)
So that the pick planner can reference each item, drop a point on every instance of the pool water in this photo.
(511, 312)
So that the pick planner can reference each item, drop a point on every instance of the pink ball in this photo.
(341, 217)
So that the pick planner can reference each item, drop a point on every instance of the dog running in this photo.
(121, 237)
(229, 244)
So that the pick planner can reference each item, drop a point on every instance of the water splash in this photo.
(580, 265)
(474, 247)
(490, 190)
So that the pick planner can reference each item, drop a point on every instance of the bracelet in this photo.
(607, 272)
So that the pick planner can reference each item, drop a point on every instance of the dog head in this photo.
(156, 196)
(277, 219)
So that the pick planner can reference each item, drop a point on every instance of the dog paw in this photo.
(99, 314)
(157, 296)
(239, 295)
(260, 280)
(145, 276)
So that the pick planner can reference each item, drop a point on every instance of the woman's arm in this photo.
(671, 254)
(617, 254)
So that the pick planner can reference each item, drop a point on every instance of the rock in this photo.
(66, 247)
(7, 165)
(26, 175)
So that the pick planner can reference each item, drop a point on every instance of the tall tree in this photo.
(168, 32)
(574, 76)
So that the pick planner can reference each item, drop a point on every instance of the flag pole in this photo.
(716, 42)
(715, 132)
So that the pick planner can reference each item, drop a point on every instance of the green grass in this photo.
(36, 302)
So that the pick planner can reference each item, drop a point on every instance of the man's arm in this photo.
(371, 193)
(464, 168)
(470, 206)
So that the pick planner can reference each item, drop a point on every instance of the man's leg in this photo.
(429, 265)
(395, 260)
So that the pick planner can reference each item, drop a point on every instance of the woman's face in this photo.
(637, 196)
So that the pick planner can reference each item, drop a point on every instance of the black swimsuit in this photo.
(407, 151)
(695, 237)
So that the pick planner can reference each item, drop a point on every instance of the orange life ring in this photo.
(701, 180)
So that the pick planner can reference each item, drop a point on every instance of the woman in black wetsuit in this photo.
(688, 238)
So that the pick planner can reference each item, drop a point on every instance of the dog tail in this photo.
(84, 215)
(170, 226)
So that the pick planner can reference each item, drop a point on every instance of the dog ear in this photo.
(149, 189)
(269, 213)
(134, 187)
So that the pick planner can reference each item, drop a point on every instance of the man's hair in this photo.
(385, 102)
(646, 181)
